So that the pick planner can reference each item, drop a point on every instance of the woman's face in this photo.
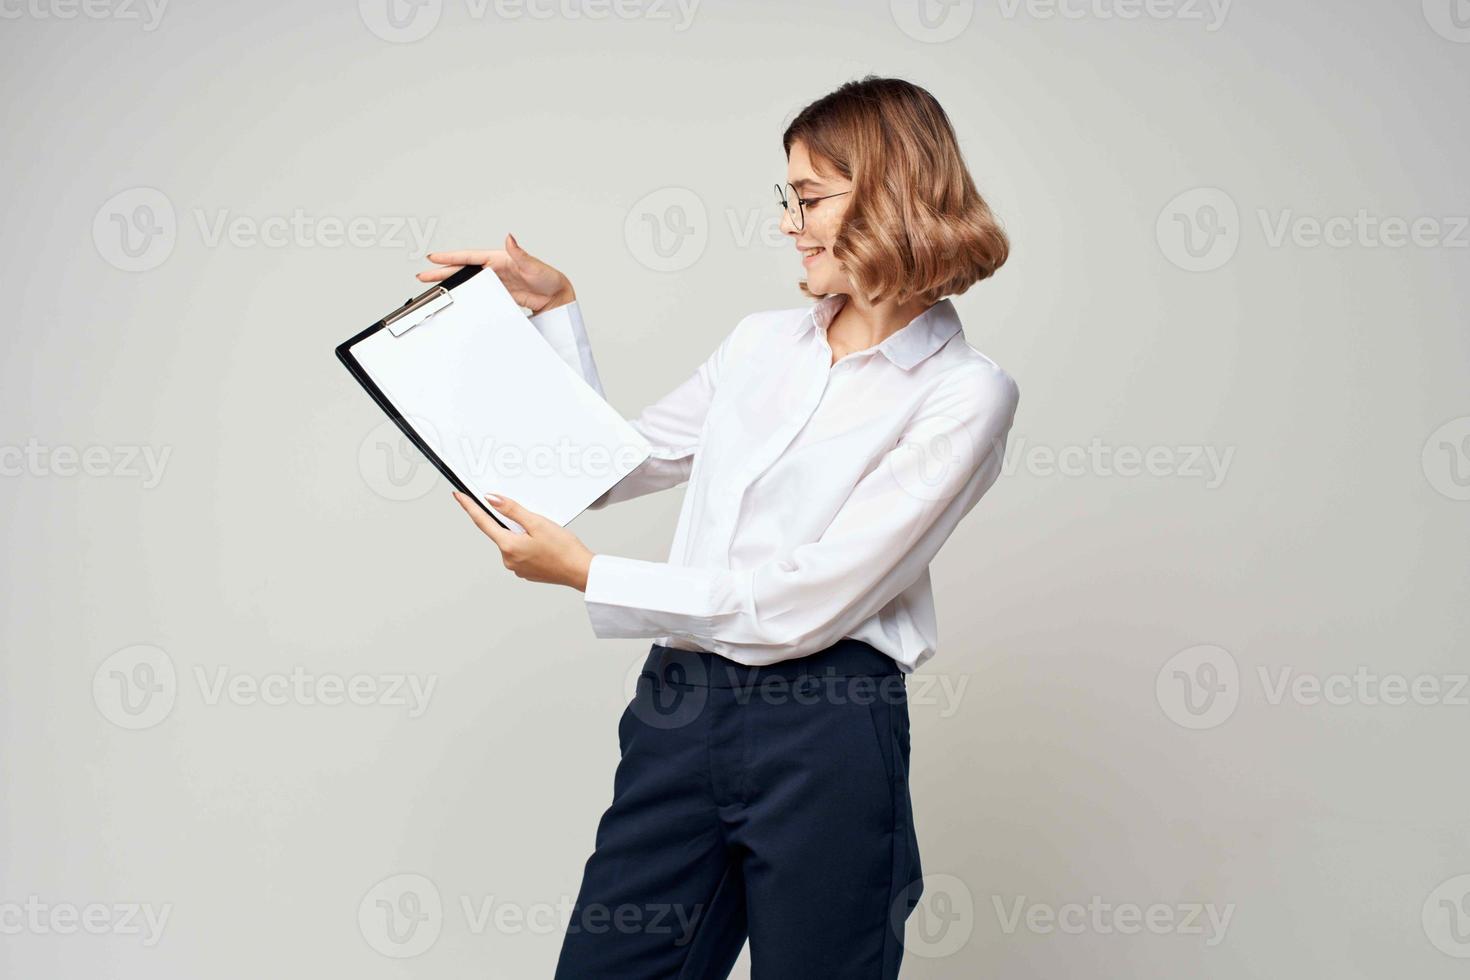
(824, 275)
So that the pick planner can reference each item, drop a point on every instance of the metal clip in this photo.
(417, 310)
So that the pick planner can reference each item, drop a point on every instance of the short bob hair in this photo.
(915, 227)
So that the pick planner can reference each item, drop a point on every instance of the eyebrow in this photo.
(805, 182)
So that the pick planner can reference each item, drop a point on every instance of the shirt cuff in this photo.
(564, 330)
(628, 597)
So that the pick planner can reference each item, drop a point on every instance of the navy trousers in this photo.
(762, 802)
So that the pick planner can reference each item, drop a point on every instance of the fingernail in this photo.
(493, 498)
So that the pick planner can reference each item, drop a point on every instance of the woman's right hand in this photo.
(530, 282)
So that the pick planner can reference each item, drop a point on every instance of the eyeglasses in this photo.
(798, 213)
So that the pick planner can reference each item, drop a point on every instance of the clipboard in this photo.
(476, 389)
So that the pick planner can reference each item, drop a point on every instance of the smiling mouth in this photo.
(807, 254)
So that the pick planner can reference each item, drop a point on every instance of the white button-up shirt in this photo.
(818, 492)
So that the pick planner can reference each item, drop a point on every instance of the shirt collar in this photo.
(916, 340)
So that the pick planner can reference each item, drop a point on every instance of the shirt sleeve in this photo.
(563, 329)
(880, 542)
(672, 425)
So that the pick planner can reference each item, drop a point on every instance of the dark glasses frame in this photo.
(799, 214)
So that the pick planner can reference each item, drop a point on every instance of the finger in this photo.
(498, 262)
(438, 275)
(510, 508)
(482, 520)
(517, 254)
(463, 257)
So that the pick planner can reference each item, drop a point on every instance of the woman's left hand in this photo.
(547, 552)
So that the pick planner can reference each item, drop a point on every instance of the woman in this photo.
(830, 450)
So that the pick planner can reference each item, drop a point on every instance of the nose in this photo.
(788, 223)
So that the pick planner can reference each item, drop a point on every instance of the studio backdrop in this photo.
(272, 707)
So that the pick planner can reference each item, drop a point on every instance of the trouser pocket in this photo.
(890, 716)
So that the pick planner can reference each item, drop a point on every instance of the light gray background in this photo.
(1062, 746)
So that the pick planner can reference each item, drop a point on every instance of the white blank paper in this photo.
(507, 415)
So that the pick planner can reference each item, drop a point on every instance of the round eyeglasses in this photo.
(798, 211)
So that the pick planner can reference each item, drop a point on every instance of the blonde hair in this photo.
(915, 226)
